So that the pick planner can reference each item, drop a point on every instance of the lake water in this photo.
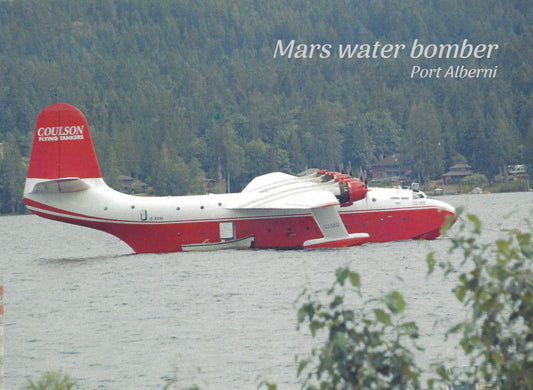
(78, 301)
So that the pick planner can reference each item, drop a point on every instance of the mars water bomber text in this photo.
(417, 50)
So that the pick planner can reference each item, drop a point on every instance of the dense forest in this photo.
(178, 91)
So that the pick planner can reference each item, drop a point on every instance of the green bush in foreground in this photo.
(372, 346)
(364, 349)
(52, 381)
(497, 289)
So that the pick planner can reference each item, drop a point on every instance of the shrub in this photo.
(52, 381)
(497, 289)
(365, 348)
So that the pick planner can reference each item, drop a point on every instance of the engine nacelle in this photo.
(336, 176)
(352, 190)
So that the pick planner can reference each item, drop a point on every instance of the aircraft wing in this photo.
(296, 200)
(282, 191)
(271, 181)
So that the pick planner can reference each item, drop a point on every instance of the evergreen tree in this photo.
(12, 174)
(423, 149)
(173, 174)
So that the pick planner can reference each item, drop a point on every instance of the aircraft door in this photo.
(227, 231)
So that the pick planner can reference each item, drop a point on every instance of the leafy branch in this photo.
(364, 349)
(495, 284)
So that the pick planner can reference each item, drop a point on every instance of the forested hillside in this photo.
(177, 91)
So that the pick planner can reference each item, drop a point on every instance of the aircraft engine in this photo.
(336, 176)
(352, 190)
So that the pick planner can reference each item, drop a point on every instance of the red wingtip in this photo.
(62, 145)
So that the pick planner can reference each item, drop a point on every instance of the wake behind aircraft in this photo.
(320, 210)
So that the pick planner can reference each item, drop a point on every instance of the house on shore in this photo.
(129, 184)
(389, 169)
(517, 170)
(456, 173)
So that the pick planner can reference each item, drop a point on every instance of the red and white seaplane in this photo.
(276, 210)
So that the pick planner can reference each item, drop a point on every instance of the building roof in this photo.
(388, 161)
(459, 170)
(461, 167)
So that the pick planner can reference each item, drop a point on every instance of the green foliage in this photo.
(369, 345)
(52, 381)
(514, 186)
(364, 348)
(173, 382)
(369, 138)
(475, 180)
(267, 385)
(495, 284)
(12, 173)
(423, 148)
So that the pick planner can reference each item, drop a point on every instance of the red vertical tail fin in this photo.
(62, 145)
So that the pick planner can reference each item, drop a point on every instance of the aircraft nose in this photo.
(447, 208)
(444, 206)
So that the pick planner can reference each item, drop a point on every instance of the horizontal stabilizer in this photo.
(66, 185)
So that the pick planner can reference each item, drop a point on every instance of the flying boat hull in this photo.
(321, 210)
